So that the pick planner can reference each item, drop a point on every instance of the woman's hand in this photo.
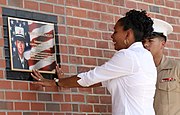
(46, 82)
(41, 80)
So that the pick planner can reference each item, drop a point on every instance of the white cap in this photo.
(161, 26)
(19, 31)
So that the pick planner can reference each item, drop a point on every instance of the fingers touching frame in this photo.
(36, 75)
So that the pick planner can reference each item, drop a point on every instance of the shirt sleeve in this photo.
(121, 64)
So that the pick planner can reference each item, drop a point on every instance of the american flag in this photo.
(40, 43)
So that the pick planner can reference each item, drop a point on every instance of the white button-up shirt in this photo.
(130, 77)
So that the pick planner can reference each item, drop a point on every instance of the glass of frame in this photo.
(32, 45)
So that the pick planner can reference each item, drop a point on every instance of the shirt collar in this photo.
(165, 64)
(136, 44)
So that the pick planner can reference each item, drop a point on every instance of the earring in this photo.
(125, 42)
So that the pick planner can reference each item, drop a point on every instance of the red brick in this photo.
(46, 7)
(102, 44)
(171, 20)
(87, 24)
(29, 96)
(159, 2)
(5, 105)
(99, 90)
(9, 95)
(3, 113)
(79, 13)
(170, 4)
(177, 45)
(100, 108)
(64, 58)
(3, 63)
(14, 113)
(37, 106)
(106, 36)
(169, 44)
(108, 54)
(78, 98)
(93, 15)
(113, 10)
(94, 34)
(82, 51)
(58, 97)
(176, 29)
(107, 18)
(86, 90)
(22, 106)
(74, 40)
(101, 26)
(2, 75)
(105, 99)
(1, 21)
(86, 4)
(59, 10)
(92, 99)
(72, 3)
(45, 113)
(69, 11)
(174, 53)
(3, 2)
(118, 2)
(99, 7)
(82, 69)
(149, 1)
(88, 42)
(62, 40)
(131, 4)
(75, 60)
(66, 107)
(142, 6)
(19, 85)
(52, 1)
(73, 21)
(86, 108)
(5, 84)
(96, 53)
(51, 89)
(16, 3)
(90, 61)
(31, 5)
(2, 94)
(67, 97)
(61, 29)
(80, 32)
(175, 13)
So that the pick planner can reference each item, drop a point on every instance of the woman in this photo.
(130, 75)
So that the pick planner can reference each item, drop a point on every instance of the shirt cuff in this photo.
(81, 81)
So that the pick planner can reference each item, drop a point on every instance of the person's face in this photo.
(20, 47)
(155, 45)
(118, 37)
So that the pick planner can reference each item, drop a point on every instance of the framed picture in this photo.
(32, 45)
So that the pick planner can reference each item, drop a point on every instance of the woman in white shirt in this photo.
(130, 75)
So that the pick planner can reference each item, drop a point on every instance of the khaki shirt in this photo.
(167, 97)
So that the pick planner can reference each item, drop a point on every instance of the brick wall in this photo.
(84, 30)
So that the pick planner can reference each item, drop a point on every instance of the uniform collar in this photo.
(136, 44)
(165, 64)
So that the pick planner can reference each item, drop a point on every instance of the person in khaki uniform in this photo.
(167, 96)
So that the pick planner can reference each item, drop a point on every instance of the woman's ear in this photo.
(129, 34)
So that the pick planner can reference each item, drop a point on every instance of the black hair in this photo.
(139, 22)
(157, 34)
